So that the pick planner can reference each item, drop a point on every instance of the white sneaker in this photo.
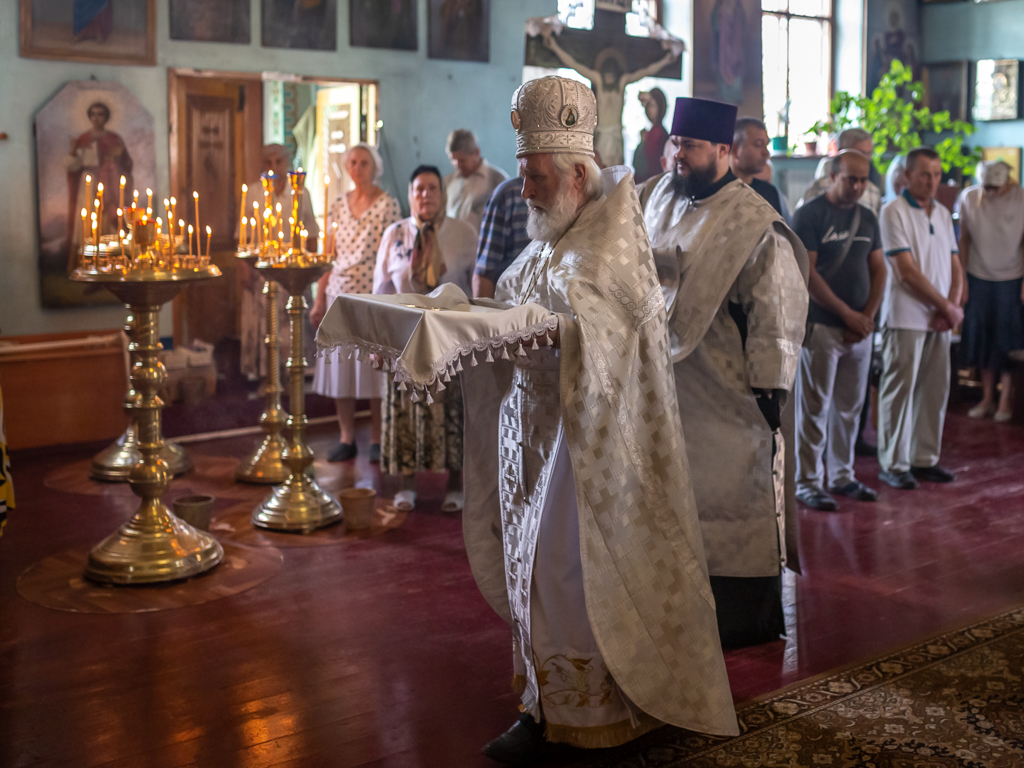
(1002, 417)
(453, 501)
(405, 501)
(981, 411)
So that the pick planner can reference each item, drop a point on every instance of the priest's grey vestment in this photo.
(734, 277)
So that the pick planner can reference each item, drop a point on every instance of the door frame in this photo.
(252, 144)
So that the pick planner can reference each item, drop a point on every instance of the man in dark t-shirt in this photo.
(749, 156)
(847, 279)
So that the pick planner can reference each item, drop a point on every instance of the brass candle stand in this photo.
(154, 545)
(114, 463)
(299, 504)
(266, 463)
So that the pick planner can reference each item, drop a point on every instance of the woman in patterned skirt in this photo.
(416, 255)
(355, 224)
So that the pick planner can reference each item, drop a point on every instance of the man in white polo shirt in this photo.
(924, 307)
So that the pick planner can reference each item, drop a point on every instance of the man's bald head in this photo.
(278, 160)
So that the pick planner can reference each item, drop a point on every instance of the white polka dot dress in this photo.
(356, 241)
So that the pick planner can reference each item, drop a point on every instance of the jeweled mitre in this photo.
(554, 114)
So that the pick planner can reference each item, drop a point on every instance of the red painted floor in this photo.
(382, 653)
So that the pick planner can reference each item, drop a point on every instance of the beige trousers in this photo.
(912, 397)
(830, 387)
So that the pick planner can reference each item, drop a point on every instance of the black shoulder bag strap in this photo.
(834, 267)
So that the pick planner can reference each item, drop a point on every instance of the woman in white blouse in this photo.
(416, 255)
(355, 224)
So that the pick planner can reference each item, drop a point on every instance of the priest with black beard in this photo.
(734, 277)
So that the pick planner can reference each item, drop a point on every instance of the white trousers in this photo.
(912, 398)
(830, 386)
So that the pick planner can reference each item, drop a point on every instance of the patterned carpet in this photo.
(954, 700)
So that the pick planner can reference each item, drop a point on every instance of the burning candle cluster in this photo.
(143, 239)
(272, 234)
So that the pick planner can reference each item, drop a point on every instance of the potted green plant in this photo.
(895, 115)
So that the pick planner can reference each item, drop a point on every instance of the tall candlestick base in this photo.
(266, 463)
(114, 463)
(154, 545)
(298, 504)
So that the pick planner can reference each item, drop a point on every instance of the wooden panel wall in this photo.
(64, 395)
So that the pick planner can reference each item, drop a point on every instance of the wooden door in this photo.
(215, 142)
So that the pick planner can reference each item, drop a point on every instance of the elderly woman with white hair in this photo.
(991, 231)
(355, 224)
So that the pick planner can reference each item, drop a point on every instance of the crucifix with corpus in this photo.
(610, 58)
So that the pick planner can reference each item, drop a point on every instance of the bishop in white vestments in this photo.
(734, 277)
(579, 519)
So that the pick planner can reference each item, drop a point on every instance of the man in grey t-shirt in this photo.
(847, 279)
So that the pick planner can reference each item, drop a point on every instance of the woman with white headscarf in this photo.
(355, 224)
(417, 255)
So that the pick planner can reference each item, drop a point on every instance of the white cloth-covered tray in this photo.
(422, 339)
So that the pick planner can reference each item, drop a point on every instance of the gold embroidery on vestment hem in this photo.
(601, 736)
(519, 684)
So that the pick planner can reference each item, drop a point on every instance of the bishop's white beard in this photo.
(549, 225)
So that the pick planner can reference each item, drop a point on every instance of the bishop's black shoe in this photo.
(522, 744)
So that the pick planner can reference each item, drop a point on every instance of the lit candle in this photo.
(120, 244)
(135, 199)
(174, 212)
(190, 241)
(120, 194)
(253, 236)
(149, 198)
(241, 234)
(88, 188)
(99, 199)
(195, 197)
(85, 233)
(208, 233)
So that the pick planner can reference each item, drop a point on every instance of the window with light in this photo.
(797, 63)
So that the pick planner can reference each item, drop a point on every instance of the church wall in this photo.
(959, 31)
(421, 100)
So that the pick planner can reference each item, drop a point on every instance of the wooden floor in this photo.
(382, 652)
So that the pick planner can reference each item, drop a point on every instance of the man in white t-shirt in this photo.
(924, 307)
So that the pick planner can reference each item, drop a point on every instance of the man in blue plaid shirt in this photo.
(502, 236)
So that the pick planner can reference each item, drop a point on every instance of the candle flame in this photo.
(149, 211)
(195, 195)
(85, 213)
(208, 230)
(327, 180)
(99, 188)
(245, 188)
(123, 181)
(173, 201)
(88, 179)
(181, 223)
(149, 191)
(120, 212)
(190, 229)
(96, 203)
